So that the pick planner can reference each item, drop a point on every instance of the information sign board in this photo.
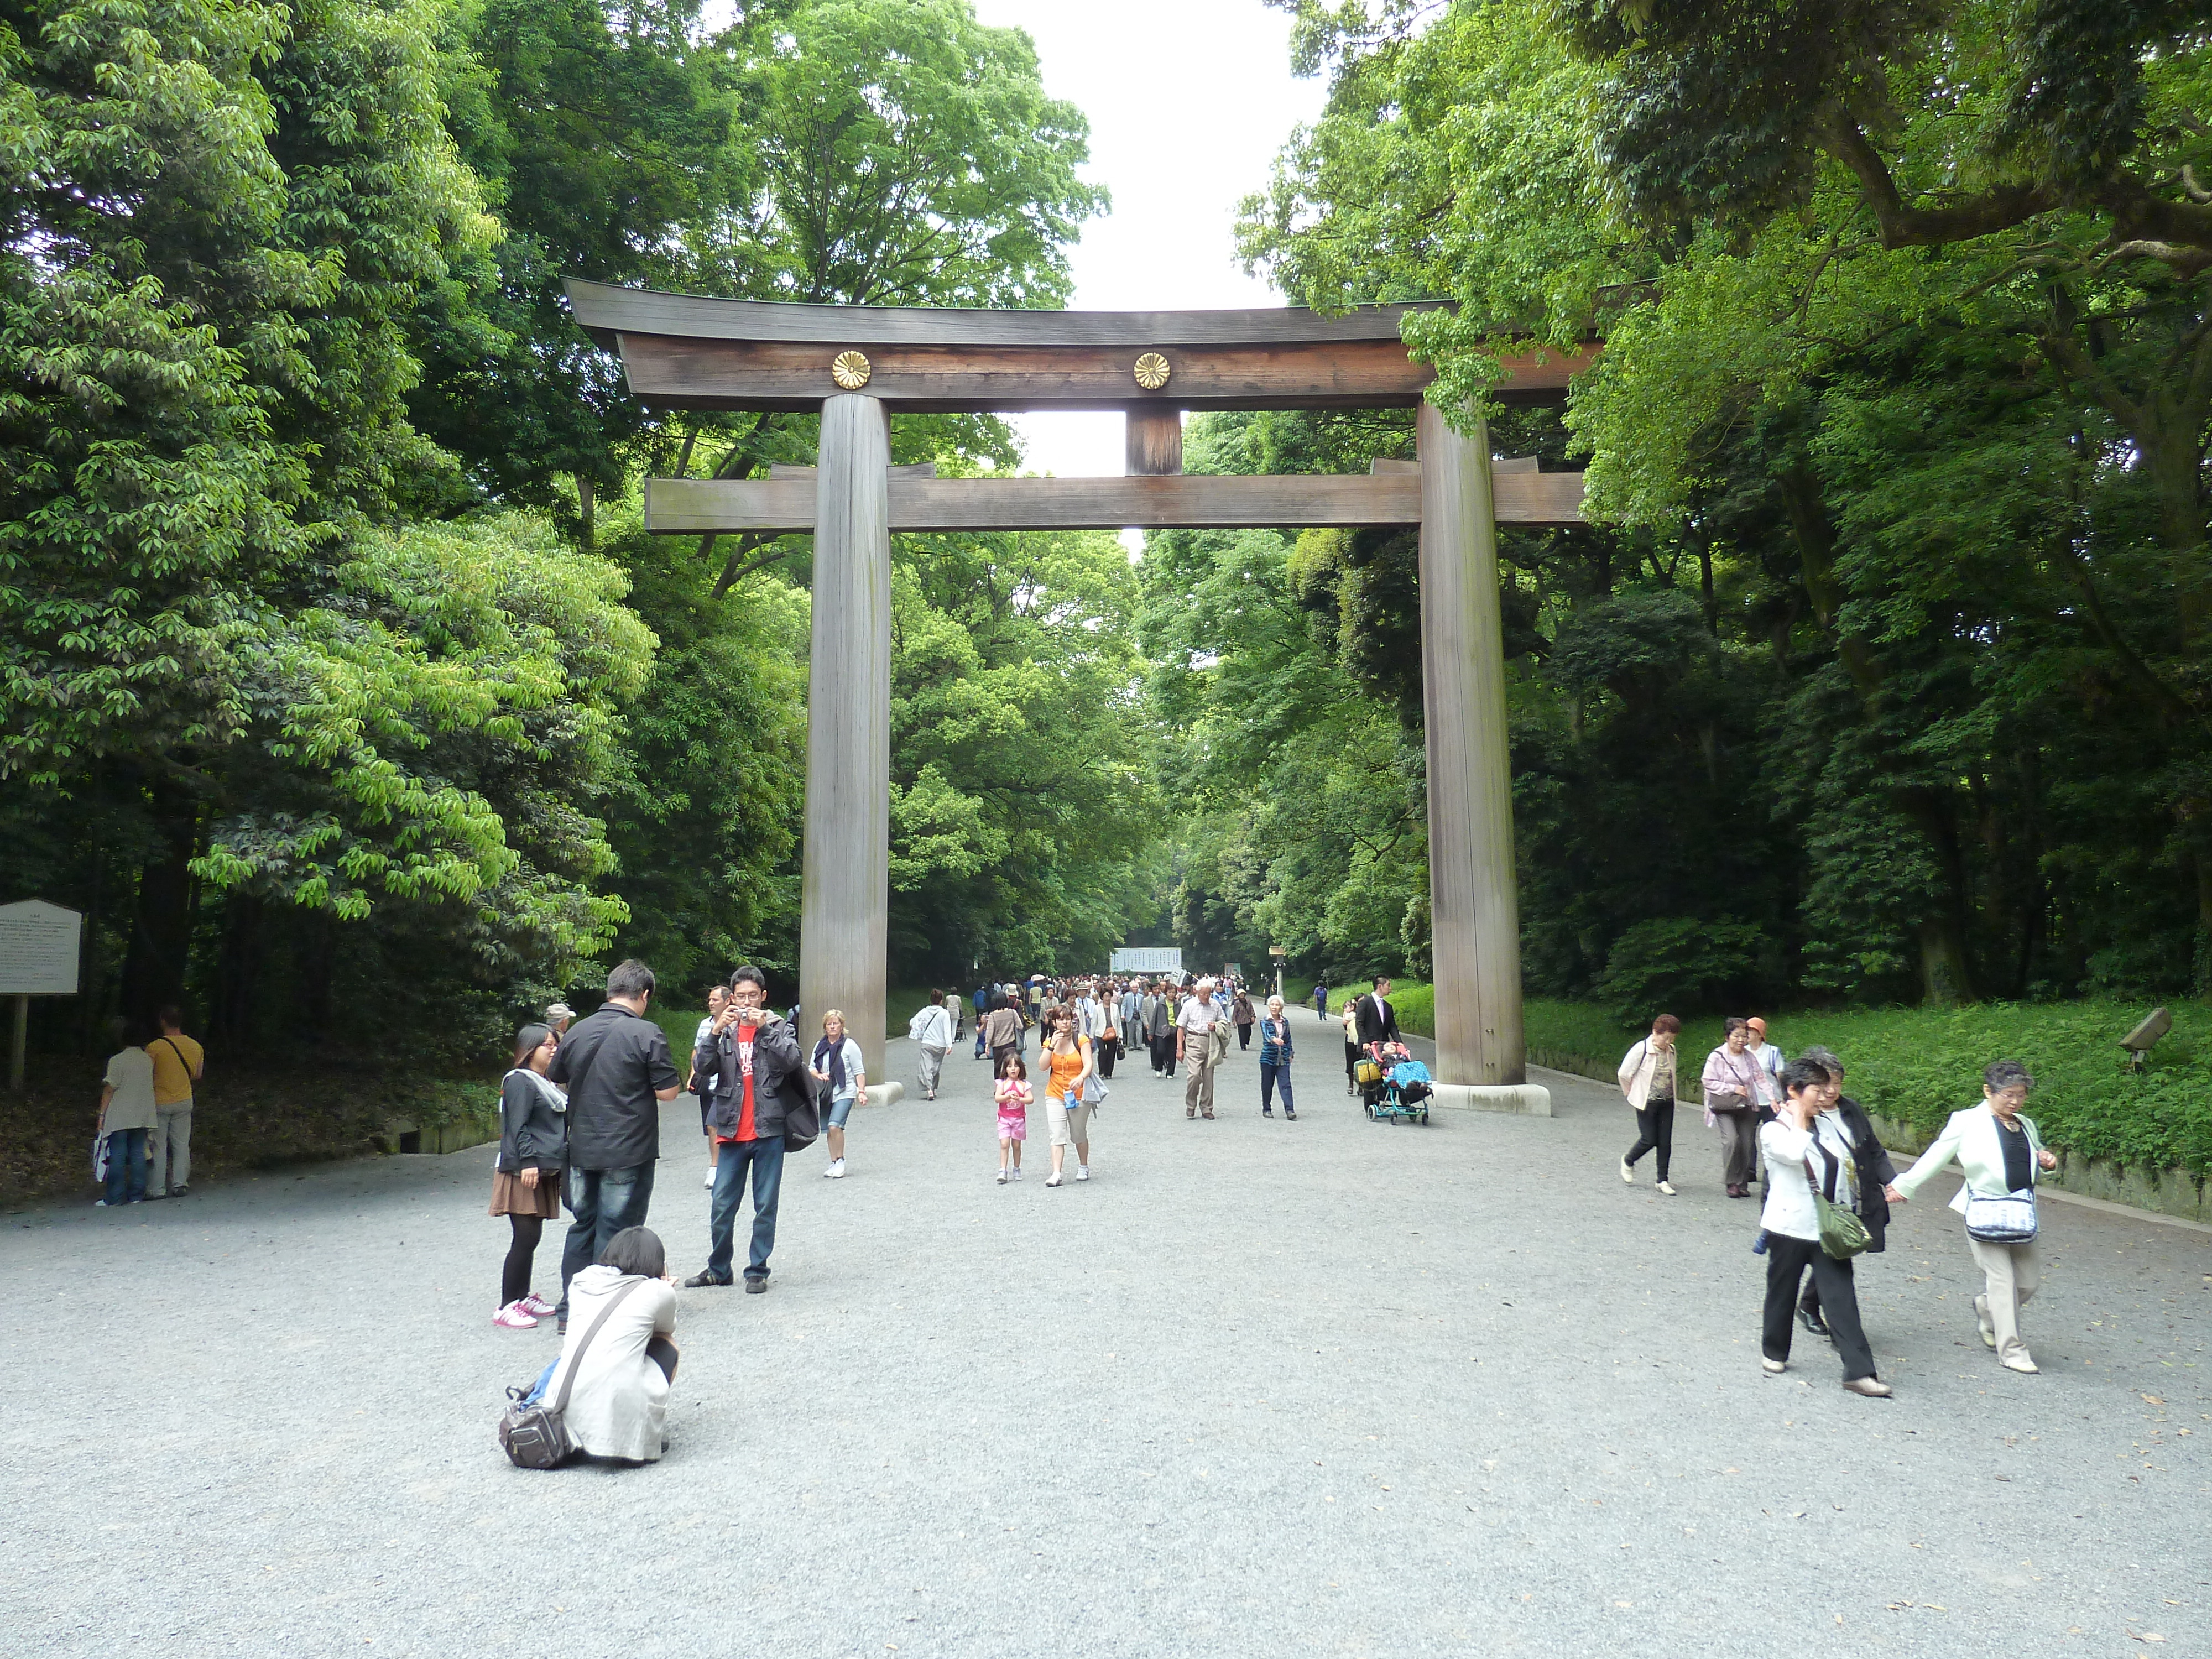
(1147, 960)
(38, 949)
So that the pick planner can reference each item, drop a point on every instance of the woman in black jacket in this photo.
(526, 1182)
(1875, 1172)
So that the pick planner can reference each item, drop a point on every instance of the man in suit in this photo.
(1378, 1020)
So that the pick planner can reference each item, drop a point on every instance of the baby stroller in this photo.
(1399, 1091)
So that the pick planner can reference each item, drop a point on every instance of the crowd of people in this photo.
(579, 1113)
(1787, 1126)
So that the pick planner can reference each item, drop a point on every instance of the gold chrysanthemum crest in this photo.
(1152, 371)
(850, 370)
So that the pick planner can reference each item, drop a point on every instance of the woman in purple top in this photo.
(1734, 1084)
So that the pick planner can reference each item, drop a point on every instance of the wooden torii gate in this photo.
(858, 364)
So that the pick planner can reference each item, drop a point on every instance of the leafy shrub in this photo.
(1676, 964)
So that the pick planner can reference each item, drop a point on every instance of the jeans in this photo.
(126, 1166)
(979, 1036)
(603, 1202)
(169, 1148)
(1787, 1258)
(764, 1156)
(1655, 1132)
(1272, 1074)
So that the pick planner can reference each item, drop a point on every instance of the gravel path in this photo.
(1259, 1387)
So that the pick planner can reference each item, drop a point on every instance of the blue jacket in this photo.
(1275, 1042)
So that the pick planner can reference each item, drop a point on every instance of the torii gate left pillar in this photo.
(845, 889)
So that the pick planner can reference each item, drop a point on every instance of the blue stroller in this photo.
(1404, 1096)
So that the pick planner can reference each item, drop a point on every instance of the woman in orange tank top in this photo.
(1069, 1062)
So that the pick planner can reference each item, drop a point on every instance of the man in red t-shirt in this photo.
(763, 1074)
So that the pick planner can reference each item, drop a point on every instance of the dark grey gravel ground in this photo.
(1328, 1387)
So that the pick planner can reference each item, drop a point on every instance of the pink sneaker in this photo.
(513, 1318)
(536, 1305)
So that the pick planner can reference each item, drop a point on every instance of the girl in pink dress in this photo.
(1013, 1095)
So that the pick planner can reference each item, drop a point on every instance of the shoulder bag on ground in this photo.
(2007, 1220)
(532, 1434)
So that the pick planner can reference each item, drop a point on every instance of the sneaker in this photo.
(150, 1197)
(1017, 1172)
(1773, 1367)
(1290, 1116)
(1002, 1177)
(2024, 1365)
(1082, 1172)
(709, 1180)
(704, 1280)
(756, 1286)
(535, 1306)
(1052, 1179)
(836, 1171)
(1627, 1172)
(102, 1204)
(1667, 1188)
(511, 1318)
(179, 1192)
(1265, 1113)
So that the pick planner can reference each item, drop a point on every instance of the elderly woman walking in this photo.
(1646, 1079)
(1803, 1146)
(1875, 1174)
(1734, 1087)
(1275, 1060)
(2001, 1155)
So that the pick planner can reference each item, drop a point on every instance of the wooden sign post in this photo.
(857, 365)
(38, 949)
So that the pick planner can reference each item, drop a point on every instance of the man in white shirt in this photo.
(1196, 1028)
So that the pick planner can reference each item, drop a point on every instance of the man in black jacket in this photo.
(1874, 1172)
(1378, 1020)
(616, 1068)
(763, 1090)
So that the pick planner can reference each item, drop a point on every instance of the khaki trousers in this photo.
(1198, 1068)
(169, 1142)
(2013, 1273)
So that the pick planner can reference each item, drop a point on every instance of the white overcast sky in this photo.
(1189, 101)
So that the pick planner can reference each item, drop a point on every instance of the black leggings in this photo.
(1655, 1132)
(514, 1281)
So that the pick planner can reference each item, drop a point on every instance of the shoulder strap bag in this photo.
(2009, 1219)
(534, 1434)
(1843, 1234)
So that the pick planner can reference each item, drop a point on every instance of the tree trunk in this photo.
(162, 929)
(238, 974)
(586, 504)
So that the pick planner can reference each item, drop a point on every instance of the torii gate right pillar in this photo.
(1473, 910)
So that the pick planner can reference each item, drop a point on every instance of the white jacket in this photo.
(619, 1406)
(1971, 1137)
(1641, 1066)
(932, 1026)
(1789, 1209)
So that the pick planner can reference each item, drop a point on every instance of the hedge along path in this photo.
(2143, 1140)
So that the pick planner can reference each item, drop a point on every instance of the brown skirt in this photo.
(510, 1197)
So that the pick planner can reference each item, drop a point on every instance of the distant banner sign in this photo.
(1146, 961)
(37, 949)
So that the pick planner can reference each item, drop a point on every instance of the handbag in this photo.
(99, 1157)
(534, 1434)
(2007, 1220)
(1843, 1234)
